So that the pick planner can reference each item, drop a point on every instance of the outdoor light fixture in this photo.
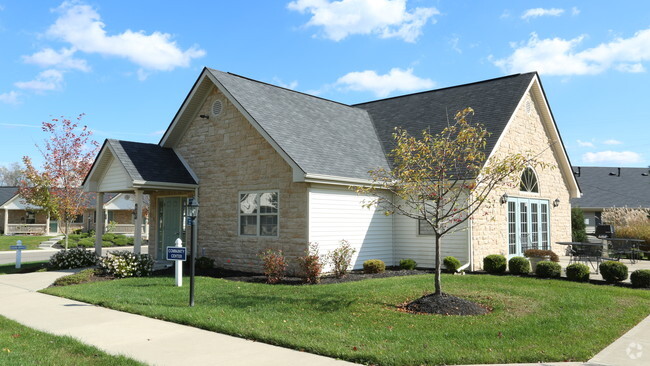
(191, 212)
(135, 212)
(556, 202)
(205, 116)
(504, 198)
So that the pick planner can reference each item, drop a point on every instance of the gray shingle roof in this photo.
(7, 193)
(319, 135)
(151, 162)
(601, 190)
(494, 101)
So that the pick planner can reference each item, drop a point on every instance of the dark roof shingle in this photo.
(7, 193)
(600, 189)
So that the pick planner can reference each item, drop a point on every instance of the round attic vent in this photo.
(127, 197)
(217, 107)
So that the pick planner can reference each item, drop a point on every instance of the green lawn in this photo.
(24, 267)
(31, 242)
(533, 320)
(21, 346)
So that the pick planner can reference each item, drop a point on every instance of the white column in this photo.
(6, 230)
(105, 219)
(47, 225)
(99, 222)
(137, 240)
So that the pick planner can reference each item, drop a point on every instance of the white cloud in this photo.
(454, 43)
(45, 81)
(292, 85)
(383, 85)
(612, 142)
(63, 59)
(575, 11)
(557, 56)
(613, 157)
(386, 18)
(9, 97)
(81, 26)
(585, 143)
(541, 12)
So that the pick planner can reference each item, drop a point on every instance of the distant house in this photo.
(606, 187)
(272, 167)
(17, 217)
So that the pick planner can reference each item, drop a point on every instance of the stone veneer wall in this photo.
(229, 156)
(525, 134)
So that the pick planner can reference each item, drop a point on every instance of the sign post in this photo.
(18, 248)
(178, 255)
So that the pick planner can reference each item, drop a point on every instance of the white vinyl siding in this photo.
(422, 248)
(336, 213)
(115, 178)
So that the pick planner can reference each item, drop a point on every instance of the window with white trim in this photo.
(528, 181)
(258, 213)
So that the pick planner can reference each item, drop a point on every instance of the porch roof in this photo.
(123, 166)
(7, 193)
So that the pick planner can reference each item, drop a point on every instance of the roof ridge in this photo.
(283, 88)
(447, 88)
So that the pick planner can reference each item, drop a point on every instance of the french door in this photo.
(528, 225)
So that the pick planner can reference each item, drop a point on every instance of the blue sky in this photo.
(128, 65)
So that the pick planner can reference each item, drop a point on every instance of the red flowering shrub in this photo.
(311, 264)
(275, 265)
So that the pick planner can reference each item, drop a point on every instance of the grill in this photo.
(605, 231)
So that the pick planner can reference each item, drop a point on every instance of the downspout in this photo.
(469, 248)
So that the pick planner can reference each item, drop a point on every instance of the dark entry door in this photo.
(170, 223)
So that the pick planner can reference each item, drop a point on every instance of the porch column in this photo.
(105, 220)
(47, 225)
(6, 230)
(99, 222)
(137, 240)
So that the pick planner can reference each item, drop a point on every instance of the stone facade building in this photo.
(272, 168)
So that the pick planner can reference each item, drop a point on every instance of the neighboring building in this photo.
(17, 217)
(272, 167)
(606, 187)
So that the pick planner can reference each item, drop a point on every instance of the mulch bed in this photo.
(444, 304)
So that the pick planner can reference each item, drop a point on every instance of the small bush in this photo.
(130, 240)
(74, 237)
(73, 258)
(577, 272)
(640, 278)
(108, 237)
(548, 269)
(204, 263)
(86, 243)
(76, 231)
(519, 266)
(613, 271)
(311, 264)
(76, 278)
(408, 264)
(494, 264)
(275, 265)
(120, 242)
(374, 266)
(341, 258)
(122, 264)
(451, 264)
(106, 244)
(578, 233)
(542, 253)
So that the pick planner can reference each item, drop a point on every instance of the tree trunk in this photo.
(67, 230)
(438, 266)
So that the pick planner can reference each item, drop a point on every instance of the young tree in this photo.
(56, 188)
(442, 179)
(10, 175)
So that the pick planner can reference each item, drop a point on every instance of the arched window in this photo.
(529, 181)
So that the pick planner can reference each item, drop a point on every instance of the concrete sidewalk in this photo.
(157, 342)
(152, 341)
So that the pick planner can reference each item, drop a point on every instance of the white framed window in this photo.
(528, 182)
(259, 213)
(30, 217)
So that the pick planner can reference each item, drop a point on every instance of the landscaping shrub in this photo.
(204, 263)
(311, 264)
(275, 265)
(548, 269)
(76, 278)
(451, 264)
(108, 237)
(408, 264)
(374, 266)
(120, 242)
(542, 253)
(578, 233)
(613, 271)
(72, 258)
(123, 264)
(107, 243)
(130, 240)
(86, 243)
(494, 264)
(641, 278)
(578, 272)
(341, 258)
(519, 265)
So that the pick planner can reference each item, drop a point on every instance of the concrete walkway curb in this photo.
(152, 341)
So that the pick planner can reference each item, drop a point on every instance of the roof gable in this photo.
(7, 193)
